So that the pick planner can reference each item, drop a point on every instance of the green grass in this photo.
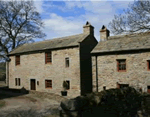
(2, 103)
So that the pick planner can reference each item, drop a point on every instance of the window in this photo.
(48, 57)
(119, 86)
(104, 87)
(48, 83)
(37, 82)
(148, 89)
(121, 65)
(67, 62)
(67, 86)
(18, 60)
(17, 81)
(148, 64)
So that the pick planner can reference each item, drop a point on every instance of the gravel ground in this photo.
(30, 105)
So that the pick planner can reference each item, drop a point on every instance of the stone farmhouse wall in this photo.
(136, 74)
(32, 66)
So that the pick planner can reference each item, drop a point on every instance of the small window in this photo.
(119, 86)
(67, 85)
(37, 82)
(48, 83)
(18, 60)
(48, 57)
(67, 62)
(148, 65)
(17, 81)
(104, 87)
(121, 65)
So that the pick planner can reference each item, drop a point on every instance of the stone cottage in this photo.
(120, 61)
(43, 66)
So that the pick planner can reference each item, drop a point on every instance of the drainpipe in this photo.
(7, 72)
(96, 75)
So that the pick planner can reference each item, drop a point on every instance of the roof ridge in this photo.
(53, 39)
(128, 35)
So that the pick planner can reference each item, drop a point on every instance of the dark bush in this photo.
(123, 102)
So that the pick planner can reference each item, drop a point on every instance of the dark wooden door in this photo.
(33, 87)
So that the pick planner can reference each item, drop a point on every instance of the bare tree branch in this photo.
(136, 18)
(20, 23)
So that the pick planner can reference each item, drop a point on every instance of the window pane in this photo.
(48, 83)
(17, 60)
(148, 64)
(67, 62)
(48, 57)
(68, 82)
(121, 64)
(16, 81)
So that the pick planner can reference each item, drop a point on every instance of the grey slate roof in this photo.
(51, 44)
(124, 42)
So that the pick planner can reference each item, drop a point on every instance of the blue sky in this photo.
(64, 18)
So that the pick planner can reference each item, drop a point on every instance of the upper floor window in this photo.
(121, 65)
(48, 57)
(148, 64)
(48, 83)
(67, 62)
(18, 60)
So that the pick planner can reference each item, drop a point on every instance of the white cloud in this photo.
(57, 26)
(38, 4)
(97, 13)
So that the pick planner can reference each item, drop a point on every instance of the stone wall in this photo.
(32, 66)
(136, 73)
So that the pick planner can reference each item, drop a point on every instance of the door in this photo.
(148, 89)
(32, 82)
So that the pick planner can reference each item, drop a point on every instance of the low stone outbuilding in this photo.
(120, 61)
(43, 66)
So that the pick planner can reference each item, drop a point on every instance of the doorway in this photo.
(33, 86)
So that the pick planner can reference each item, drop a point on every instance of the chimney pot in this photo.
(104, 33)
(88, 28)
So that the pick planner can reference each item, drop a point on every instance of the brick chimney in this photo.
(104, 33)
(88, 28)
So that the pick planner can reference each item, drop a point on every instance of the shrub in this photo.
(121, 102)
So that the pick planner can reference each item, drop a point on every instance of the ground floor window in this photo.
(37, 82)
(48, 83)
(17, 81)
(66, 84)
(148, 89)
(119, 86)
